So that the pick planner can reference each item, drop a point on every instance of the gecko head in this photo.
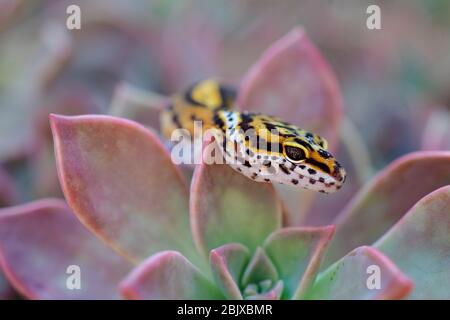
(293, 157)
(268, 149)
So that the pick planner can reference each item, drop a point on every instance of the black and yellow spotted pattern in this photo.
(262, 147)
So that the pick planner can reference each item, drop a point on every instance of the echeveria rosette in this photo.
(236, 223)
(229, 239)
(40, 240)
(290, 80)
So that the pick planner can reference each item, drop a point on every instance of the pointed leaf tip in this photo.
(167, 275)
(293, 81)
(297, 254)
(364, 273)
(227, 264)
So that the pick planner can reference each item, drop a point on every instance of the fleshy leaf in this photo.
(121, 183)
(297, 253)
(39, 242)
(168, 275)
(355, 277)
(273, 294)
(227, 207)
(227, 264)
(259, 269)
(420, 244)
(387, 198)
(72, 100)
(293, 81)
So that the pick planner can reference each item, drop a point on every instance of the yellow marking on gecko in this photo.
(261, 147)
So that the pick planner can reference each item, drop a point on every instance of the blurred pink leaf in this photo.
(168, 275)
(293, 81)
(350, 278)
(68, 101)
(227, 207)
(227, 264)
(297, 254)
(137, 104)
(420, 244)
(121, 183)
(387, 198)
(40, 240)
(189, 50)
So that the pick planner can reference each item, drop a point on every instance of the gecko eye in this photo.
(295, 154)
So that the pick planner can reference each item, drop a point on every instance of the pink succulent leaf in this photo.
(293, 81)
(168, 275)
(387, 198)
(355, 276)
(40, 241)
(71, 100)
(274, 294)
(297, 254)
(419, 244)
(188, 51)
(227, 264)
(227, 207)
(259, 269)
(120, 182)
(137, 104)
(436, 134)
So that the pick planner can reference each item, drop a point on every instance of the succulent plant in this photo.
(137, 231)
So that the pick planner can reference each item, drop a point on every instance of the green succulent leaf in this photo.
(364, 273)
(228, 263)
(297, 253)
(259, 270)
(227, 207)
(420, 245)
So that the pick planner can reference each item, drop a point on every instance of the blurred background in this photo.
(395, 81)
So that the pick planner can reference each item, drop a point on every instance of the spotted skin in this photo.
(261, 147)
